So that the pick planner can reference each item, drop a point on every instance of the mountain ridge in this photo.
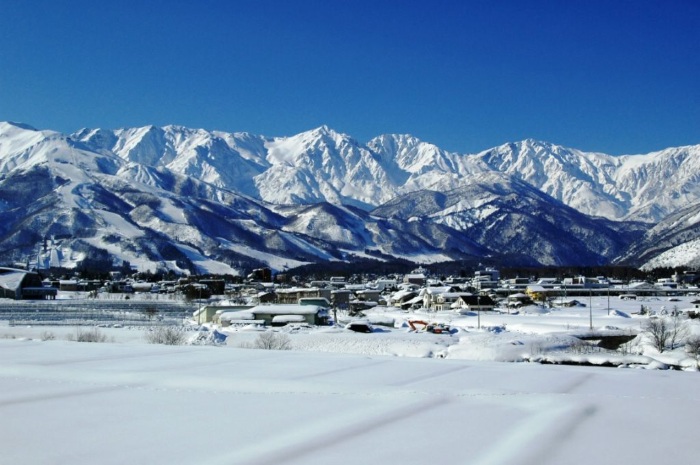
(230, 198)
(325, 165)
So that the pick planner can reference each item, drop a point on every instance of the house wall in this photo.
(8, 293)
(292, 296)
(208, 312)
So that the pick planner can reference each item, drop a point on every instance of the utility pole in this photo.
(590, 309)
(199, 312)
(478, 310)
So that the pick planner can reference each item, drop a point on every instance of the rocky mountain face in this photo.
(324, 165)
(208, 201)
(632, 187)
(674, 241)
(515, 218)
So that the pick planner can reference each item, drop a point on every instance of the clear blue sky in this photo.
(611, 76)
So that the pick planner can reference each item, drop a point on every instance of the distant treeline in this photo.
(360, 270)
(374, 268)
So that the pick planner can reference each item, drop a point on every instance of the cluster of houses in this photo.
(484, 291)
(259, 299)
(21, 284)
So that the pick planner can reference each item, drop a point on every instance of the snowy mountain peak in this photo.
(323, 135)
(6, 126)
(324, 165)
(22, 147)
(396, 140)
(323, 129)
(193, 191)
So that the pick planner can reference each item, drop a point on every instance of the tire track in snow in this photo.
(300, 445)
(429, 376)
(336, 371)
(524, 444)
(63, 395)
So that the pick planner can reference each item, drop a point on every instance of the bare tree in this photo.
(167, 335)
(87, 335)
(150, 311)
(272, 341)
(665, 331)
(679, 329)
(692, 346)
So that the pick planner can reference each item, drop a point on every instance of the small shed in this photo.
(209, 313)
(312, 314)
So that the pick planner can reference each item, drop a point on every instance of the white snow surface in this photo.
(391, 396)
(687, 254)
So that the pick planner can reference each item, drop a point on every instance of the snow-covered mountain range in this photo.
(209, 201)
(675, 240)
(324, 165)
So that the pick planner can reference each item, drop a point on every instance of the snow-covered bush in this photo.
(270, 340)
(167, 335)
(88, 335)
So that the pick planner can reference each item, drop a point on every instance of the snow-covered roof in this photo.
(535, 288)
(288, 319)
(341, 291)
(438, 289)
(286, 309)
(401, 294)
(454, 295)
(12, 279)
(293, 290)
(519, 295)
(227, 316)
(639, 285)
(416, 300)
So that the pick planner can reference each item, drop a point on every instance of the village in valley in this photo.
(480, 315)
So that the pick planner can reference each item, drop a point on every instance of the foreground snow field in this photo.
(78, 403)
(391, 396)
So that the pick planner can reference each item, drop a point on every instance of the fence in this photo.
(94, 312)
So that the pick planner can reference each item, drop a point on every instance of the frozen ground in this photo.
(391, 396)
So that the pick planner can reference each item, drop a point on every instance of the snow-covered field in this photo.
(339, 397)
